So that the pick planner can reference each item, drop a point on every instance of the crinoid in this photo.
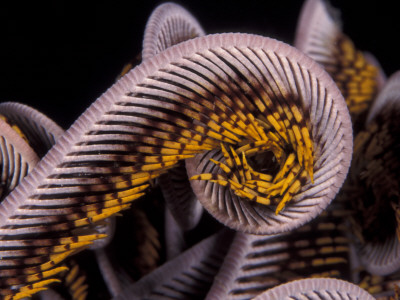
(207, 171)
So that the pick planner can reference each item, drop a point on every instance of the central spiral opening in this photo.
(263, 171)
(264, 162)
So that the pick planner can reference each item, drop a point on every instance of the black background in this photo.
(60, 56)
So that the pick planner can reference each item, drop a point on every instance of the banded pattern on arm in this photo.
(168, 25)
(186, 100)
(40, 131)
(16, 158)
(255, 262)
(374, 183)
(27, 125)
(293, 105)
(319, 35)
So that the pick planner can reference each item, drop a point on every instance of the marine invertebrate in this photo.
(23, 127)
(374, 184)
(281, 90)
(94, 156)
(270, 106)
(358, 75)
